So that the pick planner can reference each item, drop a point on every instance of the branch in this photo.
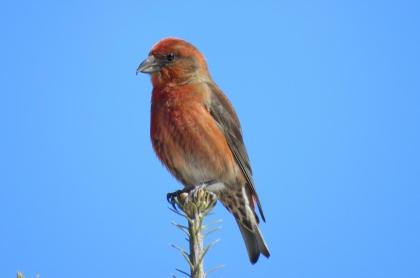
(195, 207)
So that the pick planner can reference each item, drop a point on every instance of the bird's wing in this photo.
(221, 110)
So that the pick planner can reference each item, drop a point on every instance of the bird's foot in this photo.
(190, 191)
(172, 197)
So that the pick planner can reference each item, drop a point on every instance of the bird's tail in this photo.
(254, 242)
(239, 203)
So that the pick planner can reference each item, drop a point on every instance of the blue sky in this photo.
(328, 94)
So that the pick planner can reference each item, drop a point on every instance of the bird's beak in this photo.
(149, 65)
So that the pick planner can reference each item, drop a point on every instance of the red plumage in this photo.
(196, 134)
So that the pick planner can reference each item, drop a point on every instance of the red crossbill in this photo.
(196, 133)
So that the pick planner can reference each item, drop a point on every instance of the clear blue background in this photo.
(329, 98)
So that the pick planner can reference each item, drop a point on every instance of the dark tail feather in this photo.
(254, 242)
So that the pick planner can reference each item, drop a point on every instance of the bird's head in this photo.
(174, 60)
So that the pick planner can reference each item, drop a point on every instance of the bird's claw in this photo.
(172, 198)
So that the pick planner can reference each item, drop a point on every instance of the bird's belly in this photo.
(196, 160)
(194, 173)
(193, 148)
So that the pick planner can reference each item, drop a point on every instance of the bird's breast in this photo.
(187, 139)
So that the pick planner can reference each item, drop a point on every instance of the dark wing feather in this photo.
(222, 111)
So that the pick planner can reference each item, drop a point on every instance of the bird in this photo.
(196, 134)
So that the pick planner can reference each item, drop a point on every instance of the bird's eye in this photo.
(170, 57)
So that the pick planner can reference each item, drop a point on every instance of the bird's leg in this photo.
(171, 197)
(197, 187)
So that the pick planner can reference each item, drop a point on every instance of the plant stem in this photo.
(195, 222)
(196, 206)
